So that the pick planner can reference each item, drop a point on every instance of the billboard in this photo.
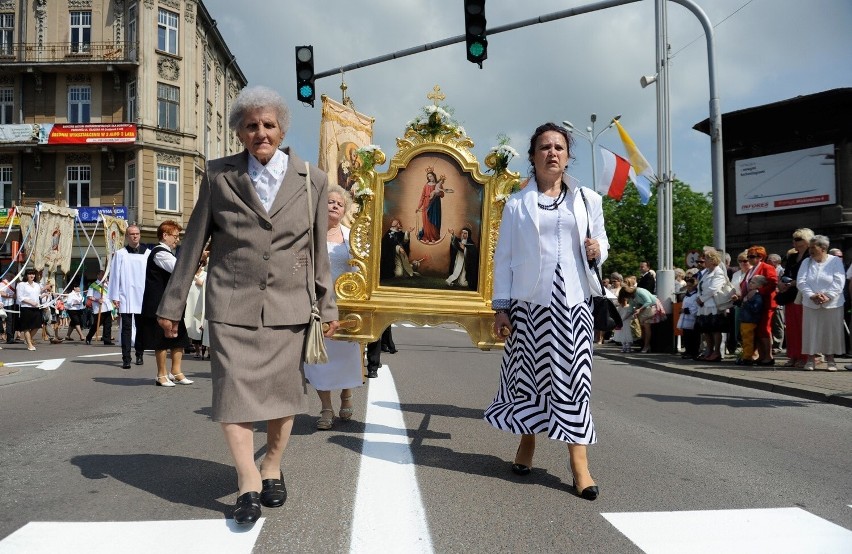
(797, 179)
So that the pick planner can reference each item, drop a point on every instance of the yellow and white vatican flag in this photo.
(114, 229)
(342, 131)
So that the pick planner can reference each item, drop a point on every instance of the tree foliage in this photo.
(632, 227)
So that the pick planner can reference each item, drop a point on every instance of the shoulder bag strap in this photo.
(593, 264)
(311, 284)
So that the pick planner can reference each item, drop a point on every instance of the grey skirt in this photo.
(257, 372)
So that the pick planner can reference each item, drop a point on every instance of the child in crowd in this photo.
(750, 313)
(624, 334)
(686, 323)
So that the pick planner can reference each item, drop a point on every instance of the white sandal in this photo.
(346, 413)
(324, 423)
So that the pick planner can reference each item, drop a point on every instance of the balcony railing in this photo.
(108, 52)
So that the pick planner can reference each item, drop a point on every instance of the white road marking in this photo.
(775, 530)
(47, 365)
(388, 514)
(132, 537)
(100, 355)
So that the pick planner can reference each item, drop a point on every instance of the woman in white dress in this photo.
(193, 316)
(343, 370)
(821, 280)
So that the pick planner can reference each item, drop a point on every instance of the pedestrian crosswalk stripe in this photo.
(388, 514)
(773, 530)
(132, 537)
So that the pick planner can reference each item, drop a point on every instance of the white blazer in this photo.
(517, 257)
(710, 284)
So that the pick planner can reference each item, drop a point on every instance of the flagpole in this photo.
(592, 138)
(665, 240)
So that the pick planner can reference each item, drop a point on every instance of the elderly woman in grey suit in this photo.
(254, 206)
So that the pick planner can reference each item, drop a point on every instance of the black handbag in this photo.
(605, 316)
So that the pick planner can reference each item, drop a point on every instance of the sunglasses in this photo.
(750, 256)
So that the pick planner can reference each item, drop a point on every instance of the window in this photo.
(79, 104)
(131, 31)
(79, 182)
(131, 102)
(167, 31)
(81, 32)
(7, 105)
(7, 27)
(168, 103)
(130, 186)
(5, 185)
(167, 187)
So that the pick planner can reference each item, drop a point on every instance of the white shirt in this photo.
(8, 293)
(127, 280)
(826, 277)
(28, 295)
(559, 246)
(74, 301)
(267, 178)
(164, 260)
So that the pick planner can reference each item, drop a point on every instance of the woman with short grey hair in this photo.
(821, 280)
(259, 98)
(265, 269)
(787, 293)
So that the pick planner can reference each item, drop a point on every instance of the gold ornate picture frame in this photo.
(437, 266)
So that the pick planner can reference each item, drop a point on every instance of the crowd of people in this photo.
(749, 312)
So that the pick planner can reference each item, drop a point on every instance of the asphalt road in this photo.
(684, 464)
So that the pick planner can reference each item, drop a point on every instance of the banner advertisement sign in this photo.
(16, 134)
(4, 218)
(89, 133)
(90, 214)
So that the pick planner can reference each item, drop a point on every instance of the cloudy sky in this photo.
(766, 51)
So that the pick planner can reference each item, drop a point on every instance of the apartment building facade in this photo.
(112, 105)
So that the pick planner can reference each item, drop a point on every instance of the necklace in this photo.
(563, 191)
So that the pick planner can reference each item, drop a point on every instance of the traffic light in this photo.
(305, 90)
(474, 29)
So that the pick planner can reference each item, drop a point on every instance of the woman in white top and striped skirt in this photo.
(543, 286)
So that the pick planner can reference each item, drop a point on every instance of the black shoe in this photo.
(88, 341)
(392, 351)
(247, 508)
(745, 362)
(767, 362)
(125, 365)
(520, 469)
(589, 493)
(372, 373)
(109, 343)
(385, 349)
(274, 492)
(139, 360)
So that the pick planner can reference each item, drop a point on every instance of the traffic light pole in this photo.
(715, 119)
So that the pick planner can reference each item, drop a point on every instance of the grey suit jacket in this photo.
(258, 262)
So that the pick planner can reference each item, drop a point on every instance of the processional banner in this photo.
(114, 229)
(342, 131)
(54, 237)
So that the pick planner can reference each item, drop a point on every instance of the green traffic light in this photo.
(476, 49)
(306, 91)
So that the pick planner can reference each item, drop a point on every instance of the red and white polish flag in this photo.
(616, 171)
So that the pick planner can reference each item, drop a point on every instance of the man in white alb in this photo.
(127, 285)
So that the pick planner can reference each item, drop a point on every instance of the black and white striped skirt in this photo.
(545, 376)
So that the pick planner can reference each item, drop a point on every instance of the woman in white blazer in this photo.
(710, 322)
(551, 231)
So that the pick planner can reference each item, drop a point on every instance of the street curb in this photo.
(844, 400)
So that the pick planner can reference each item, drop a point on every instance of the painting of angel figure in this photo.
(424, 204)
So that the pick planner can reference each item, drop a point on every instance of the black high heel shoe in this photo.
(589, 493)
(520, 469)
(247, 508)
(274, 492)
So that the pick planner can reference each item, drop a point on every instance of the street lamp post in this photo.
(592, 138)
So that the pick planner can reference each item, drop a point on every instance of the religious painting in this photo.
(432, 215)
(422, 242)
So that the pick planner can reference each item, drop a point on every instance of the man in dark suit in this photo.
(647, 280)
